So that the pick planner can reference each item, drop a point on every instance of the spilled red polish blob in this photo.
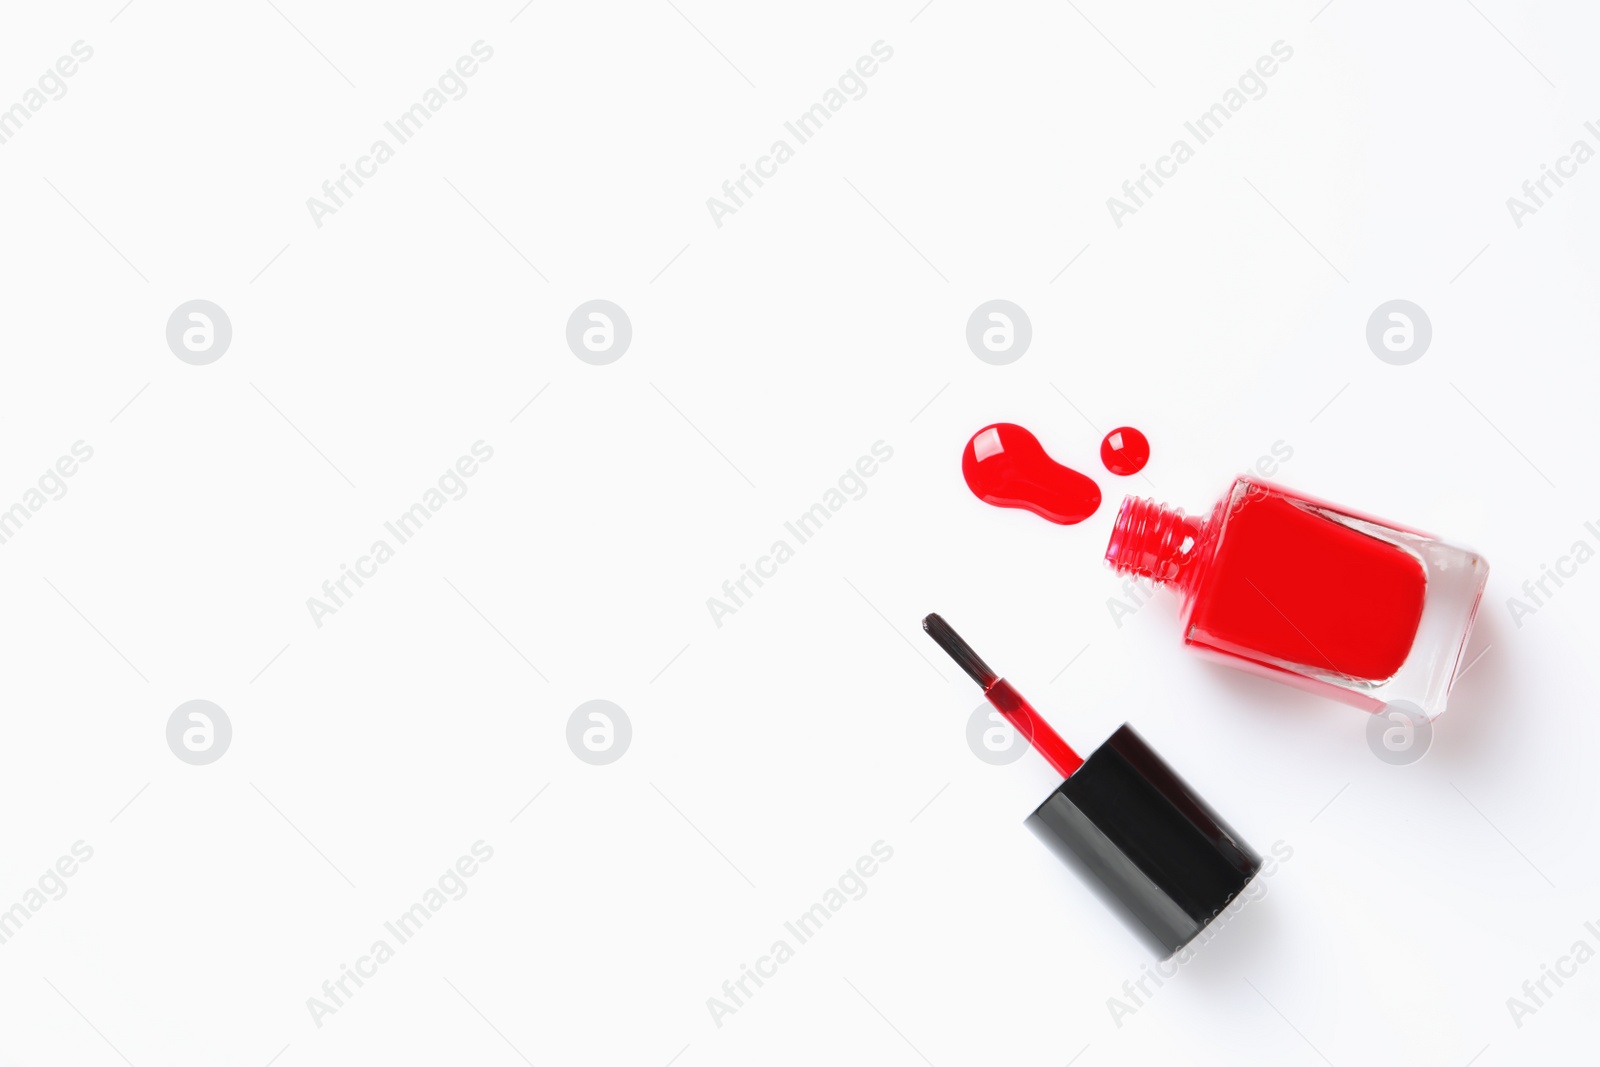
(1125, 451)
(1006, 466)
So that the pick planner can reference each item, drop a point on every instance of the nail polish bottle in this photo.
(1312, 594)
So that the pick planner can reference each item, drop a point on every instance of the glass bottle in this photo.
(1312, 594)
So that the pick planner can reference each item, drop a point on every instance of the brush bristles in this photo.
(959, 650)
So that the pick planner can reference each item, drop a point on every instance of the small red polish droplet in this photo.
(1125, 451)
(1006, 466)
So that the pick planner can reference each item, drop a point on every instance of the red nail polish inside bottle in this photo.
(1309, 593)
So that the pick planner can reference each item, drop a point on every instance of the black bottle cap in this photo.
(1140, 835)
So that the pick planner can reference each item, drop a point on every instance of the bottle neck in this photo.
(1154, 541)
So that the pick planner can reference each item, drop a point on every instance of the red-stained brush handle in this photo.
(1006, 700)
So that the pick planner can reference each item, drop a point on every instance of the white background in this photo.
(827, 314)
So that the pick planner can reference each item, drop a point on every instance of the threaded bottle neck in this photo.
(1152, 540)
